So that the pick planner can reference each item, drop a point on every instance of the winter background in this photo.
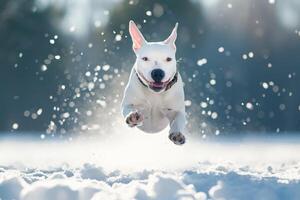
(64, 66)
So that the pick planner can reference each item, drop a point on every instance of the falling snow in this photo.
(202, 61)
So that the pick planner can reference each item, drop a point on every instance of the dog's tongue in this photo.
(158, 84)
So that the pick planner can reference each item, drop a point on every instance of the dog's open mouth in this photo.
(157, 86)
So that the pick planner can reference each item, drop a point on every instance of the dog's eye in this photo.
(168, 59)
(145, 58)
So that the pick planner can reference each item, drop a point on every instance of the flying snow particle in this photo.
(221, 49)
(188, 103)
(105, 67)
(249, 106)
(101, 103)
(44, 68)
(39, 111)
(275, 88)
(51, 127)
(118, 37)
(202, 61)
(282, 106)
(244, 56)
(26, 113)
(149, 13)
(51, 41)
(20, 55)
(269, 65)
(214, 115)
(203, 125)
(34, 116)
(228, 83)
(65, 115)
(47, 61)
(97, 68)
(265, 85)
(89, 113)
(42, 136)
(212, 82)
(203, 104)
(57, 57)
(88, 73)
(90, 45)
(102, 86)
(71, 104)
(105, 77)
(158, 10)
(251, 54)
(91, 86)
(15, 126)
(229, 5)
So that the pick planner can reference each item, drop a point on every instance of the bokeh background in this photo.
(65, 63)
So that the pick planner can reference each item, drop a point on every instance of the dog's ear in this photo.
(172, 38)
(137, 37)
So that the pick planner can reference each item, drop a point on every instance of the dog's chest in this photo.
(154, 112)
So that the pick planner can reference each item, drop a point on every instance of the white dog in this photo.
(154, 95)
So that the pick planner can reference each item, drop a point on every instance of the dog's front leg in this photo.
(177, 126)
(133, 117)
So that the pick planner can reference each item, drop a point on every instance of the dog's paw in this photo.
(177, 137)
(134, 119)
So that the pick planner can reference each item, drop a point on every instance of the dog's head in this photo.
(155, 61)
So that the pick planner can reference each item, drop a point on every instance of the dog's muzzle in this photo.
(157, 86)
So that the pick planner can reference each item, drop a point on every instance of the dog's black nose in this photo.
(157, 75)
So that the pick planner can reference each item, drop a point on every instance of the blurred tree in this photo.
(25, 47)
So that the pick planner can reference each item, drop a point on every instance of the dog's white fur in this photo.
(143, 107)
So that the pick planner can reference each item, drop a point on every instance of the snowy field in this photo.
(133, 165)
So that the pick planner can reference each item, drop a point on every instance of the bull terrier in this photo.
(154, 95)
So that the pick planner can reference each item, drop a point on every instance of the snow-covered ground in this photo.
(133, 165)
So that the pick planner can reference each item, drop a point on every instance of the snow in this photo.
(105, 67)
(202, 61)
(15, 126)
(249, 106)
(214, 115)
(134, 165)
(44, 68)
(118, 37)
(221, 49)
(265, 85)
(52, 41)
